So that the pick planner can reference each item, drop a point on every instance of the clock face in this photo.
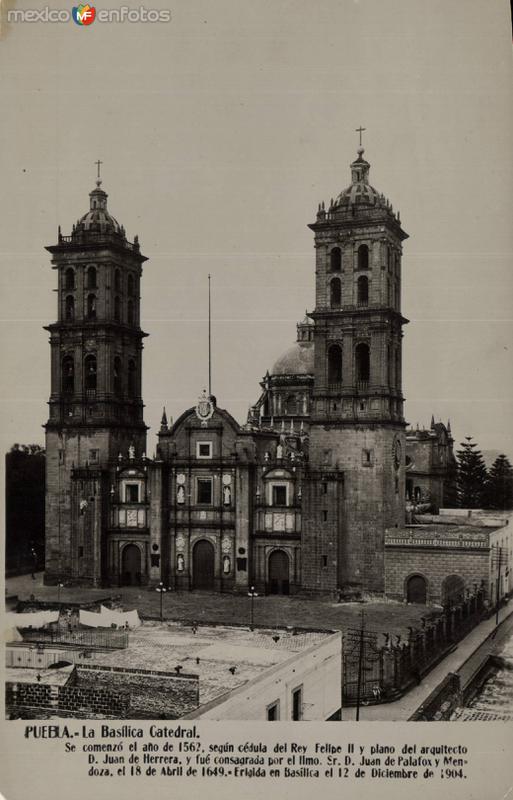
(397, 453)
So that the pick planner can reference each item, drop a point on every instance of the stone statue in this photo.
(180, 563)
(180, 495)
(227, 496)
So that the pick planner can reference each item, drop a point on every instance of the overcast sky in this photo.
(220, 133)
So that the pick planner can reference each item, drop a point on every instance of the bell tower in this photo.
(96, 409)
(356, 485)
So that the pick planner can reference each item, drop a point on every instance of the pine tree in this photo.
(472, 475)
(499, 488)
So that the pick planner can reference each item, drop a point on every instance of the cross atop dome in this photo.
(98, 178)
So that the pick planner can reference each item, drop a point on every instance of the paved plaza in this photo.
(269, 611)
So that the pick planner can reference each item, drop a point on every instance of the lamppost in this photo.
(252, 594)
(161, 589)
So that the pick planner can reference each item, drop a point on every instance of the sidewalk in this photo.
(403, 708)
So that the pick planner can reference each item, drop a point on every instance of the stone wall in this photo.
(434, 564)
(153, 695)
(72, 699)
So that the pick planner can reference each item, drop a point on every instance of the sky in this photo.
(219, 133)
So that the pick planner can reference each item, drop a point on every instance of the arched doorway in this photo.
(453, 590)
(416, 589)
(203, 565)
(131, 566)
(278, 572)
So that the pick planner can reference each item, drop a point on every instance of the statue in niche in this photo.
(279, 452)
(180, 495)
(227, 496)
(226, 564)
(131, 452)
(180, 563)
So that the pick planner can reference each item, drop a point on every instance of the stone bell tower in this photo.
(355, 488)
(96, 409)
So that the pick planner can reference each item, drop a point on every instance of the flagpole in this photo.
(209, 342)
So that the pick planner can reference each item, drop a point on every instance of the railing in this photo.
(391, 668)
(107, 638)
(97, 237)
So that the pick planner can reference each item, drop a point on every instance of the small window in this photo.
(117, 280)
(335, 293)
(91, 306)
(325, 516)
(367, 458)
(273, 712)
(324, 561)
(94, 456)
(204, 491)
(117, 309)
(325, 488)
(297, 703)
(69, 309)
(204, 450)
(69, 279)
(363, 257)
(130, 312)
(132, 378)
(336, 259)
(80, 552)
(279, 495)
(91, 278)
(130, 284)
(132, 493)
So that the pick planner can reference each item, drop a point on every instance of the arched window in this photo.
(91, 306)
(363, 257)
(334, 364)
(130, 284)
(397, 367)
(291, 404)
(131, 378)
(117, 280)
(336, 259)
(69, 279)
(335, 293)
(117, 309)
(363, 290)
(362, 356)
(69, 307)
(90, 372)
(117, 376)
(130, 312)
(68, 375)
(91, 278)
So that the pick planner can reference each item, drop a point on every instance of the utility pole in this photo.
(360, 668)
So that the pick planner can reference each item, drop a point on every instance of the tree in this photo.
(25, 508)
(499, 488)
(472, 475)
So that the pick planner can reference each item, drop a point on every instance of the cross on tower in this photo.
(360, 130)
(98, 164)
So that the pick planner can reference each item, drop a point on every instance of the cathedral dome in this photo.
(360, 191)
(98, 219)
(297, 360)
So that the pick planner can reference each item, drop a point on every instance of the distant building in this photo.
(430, 465)
(442, 559)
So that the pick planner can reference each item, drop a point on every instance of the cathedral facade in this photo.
(296, 499)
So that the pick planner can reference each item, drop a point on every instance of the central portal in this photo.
(279, 572)
(203, 565)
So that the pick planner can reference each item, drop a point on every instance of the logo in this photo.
(84, 14)
(204, 409)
